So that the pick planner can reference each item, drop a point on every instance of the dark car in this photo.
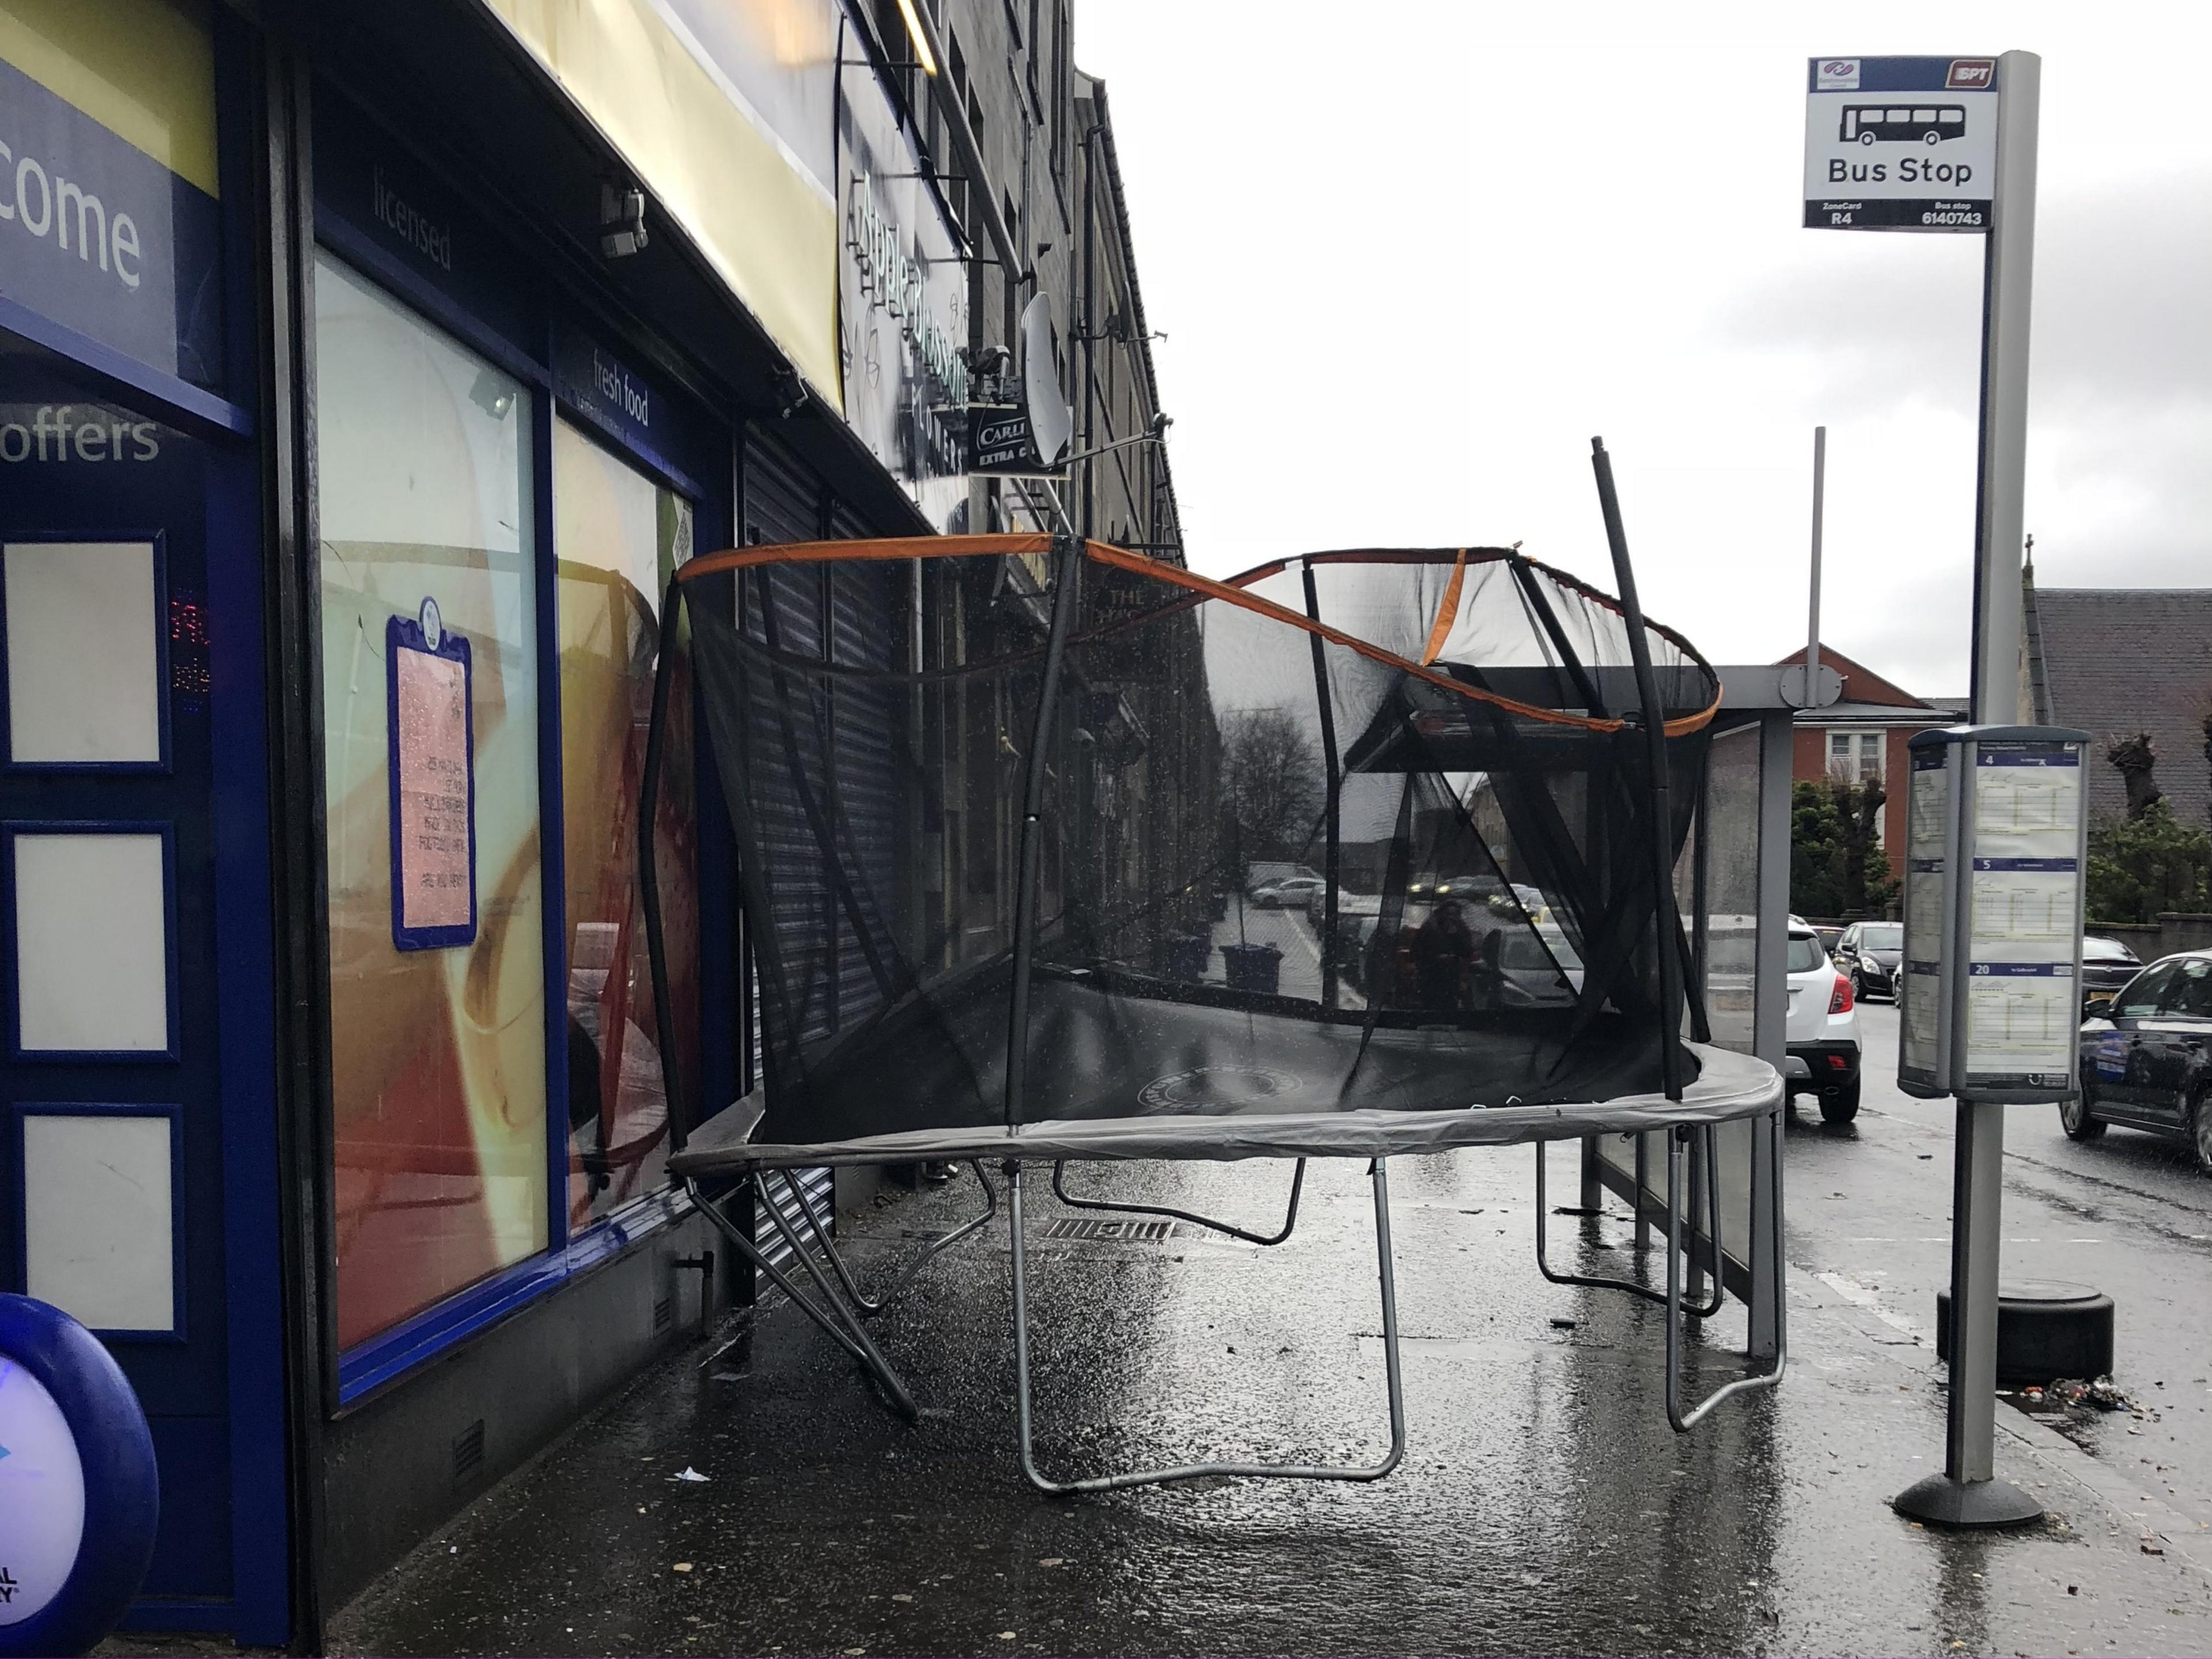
(1868, 955)
(2106, 965)
(2146, 1057)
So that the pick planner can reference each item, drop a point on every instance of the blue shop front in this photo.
(350, 433)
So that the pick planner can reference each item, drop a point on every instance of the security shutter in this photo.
(864, 603)
(783, 502)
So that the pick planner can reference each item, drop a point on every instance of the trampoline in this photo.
(1362, 854)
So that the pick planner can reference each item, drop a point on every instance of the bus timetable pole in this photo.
(1967, 1493)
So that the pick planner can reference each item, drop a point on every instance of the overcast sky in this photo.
(1411, 255)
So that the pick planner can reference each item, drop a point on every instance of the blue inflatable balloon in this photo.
(79, 1492)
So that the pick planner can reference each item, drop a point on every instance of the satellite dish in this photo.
(1052, 423)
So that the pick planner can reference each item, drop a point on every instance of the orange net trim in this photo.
(1447, 611)
(1231, 592)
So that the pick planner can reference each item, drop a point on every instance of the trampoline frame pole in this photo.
(1290, 1219)
(904, 1279)
(1666, 924)
(1711, 1162)
(844, 1331)
(1332, 861)
(648, 876)
(1685, 1420)
(869, 1356)
(1068, 564)
(1024, 1414)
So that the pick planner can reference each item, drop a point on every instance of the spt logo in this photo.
(1971, 75)
(1836, 74)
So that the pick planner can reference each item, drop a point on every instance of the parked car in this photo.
(1520, 899)
(1868, 955)
(1821, 1031)
(1289, 893)
(2146, 1057)
(1266, 872)
(1539, 969)
(2106, 966)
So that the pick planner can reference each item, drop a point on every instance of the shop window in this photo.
(437, 1054)
(619, 536)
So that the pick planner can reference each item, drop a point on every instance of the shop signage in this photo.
(603, 388)
(998, 441)
(903, 305)
(98, 236)
(384, 213)
(1900, 144)
(722, 110)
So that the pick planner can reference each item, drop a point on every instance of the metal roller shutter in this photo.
(850, 616)
(783, 503)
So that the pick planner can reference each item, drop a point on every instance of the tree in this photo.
(1836, 863)
(1274, 780)
(2139, 865)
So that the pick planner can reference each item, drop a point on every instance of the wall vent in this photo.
(664, 1314)
(468, 1451)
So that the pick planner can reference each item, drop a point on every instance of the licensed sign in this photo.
(1900, 144)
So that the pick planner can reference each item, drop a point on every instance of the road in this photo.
(1870, 1211)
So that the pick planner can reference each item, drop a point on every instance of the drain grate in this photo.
(1123, 1232)
(468, 1451)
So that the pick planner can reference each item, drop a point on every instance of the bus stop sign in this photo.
(1900, 144)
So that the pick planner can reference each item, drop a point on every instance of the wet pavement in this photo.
(1544, 1505)
(2128, 1214)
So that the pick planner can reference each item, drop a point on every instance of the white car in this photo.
(1288, 894)
(1822, 1030)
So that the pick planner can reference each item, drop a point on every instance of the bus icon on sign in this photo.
(1892, 124)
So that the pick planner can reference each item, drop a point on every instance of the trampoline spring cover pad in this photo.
(1729, 1086)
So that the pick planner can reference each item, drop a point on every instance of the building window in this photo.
(618, 536)
(1855, 755)
(437, 1055)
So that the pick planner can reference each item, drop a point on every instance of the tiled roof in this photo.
(2116, 661)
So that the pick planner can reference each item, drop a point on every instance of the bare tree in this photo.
(1274, 780)
(2134, 758)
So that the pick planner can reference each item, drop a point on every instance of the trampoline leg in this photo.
(1290, 1217)
(862, 1345)
(1685, 1419)
(1701, 1310)
(853, 1340)
(907, 1275)
(1380, 1182)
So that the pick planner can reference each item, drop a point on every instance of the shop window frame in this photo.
(365, 1371)
(605, 1235)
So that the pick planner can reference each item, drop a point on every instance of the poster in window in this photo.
(432, 771)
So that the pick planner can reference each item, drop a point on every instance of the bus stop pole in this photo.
(1966, 1493)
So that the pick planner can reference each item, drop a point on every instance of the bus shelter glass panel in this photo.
(438, 1054)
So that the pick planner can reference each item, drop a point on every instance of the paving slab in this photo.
(1544, 1505)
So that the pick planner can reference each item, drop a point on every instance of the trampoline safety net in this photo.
(1356, 830)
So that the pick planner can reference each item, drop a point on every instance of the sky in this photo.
(1409, 256)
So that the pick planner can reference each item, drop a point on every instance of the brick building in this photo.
(1864, 736)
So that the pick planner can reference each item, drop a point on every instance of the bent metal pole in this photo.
(1067, 566)
(1665, 926)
